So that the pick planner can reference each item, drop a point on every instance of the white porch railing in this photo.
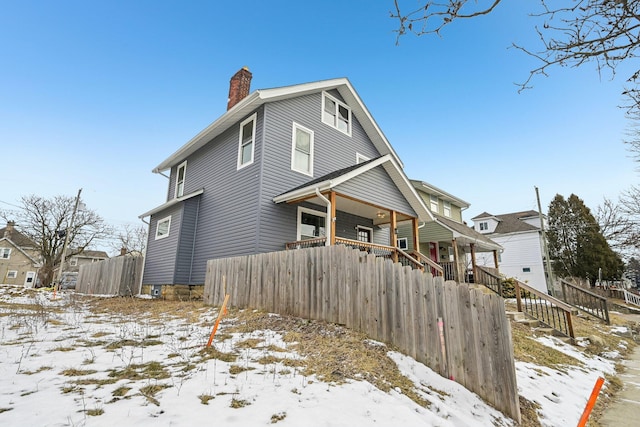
(631, 298)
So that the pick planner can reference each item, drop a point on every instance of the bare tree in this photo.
(619, 224)
(572, 32)
(131, 239)
(45, 221)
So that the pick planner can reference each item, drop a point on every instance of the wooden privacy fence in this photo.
(389, 303)
(115, 276)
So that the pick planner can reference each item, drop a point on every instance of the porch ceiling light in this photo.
(380, 215)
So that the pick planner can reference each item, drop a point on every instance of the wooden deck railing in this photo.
(488, 279)
(448, 270)
(631, 298)
(383, 251)
(428, 263)
(548, 310)
(589, 302)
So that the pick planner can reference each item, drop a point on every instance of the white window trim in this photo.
(184, 175)
(3, 251)
(12, 274)
(325, 95)
(446, 209)
(293, 148)
(369, 229)
(253, 118)
(302, 209)
(406, 243)
(361, 159)
(73, 262)
(168, 219)
(483, 226)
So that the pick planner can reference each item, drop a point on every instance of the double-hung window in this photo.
(247, 142)
(484, 226)
(447, 209)
(434, 203)
(302, 150)
(162, 228)
(336, 114)
(180, 176)
(5, 253)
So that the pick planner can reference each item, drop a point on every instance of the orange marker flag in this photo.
(223, 311)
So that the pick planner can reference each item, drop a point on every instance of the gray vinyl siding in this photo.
(333, 150)
(186, 241)
(161, 254)
(375, 186)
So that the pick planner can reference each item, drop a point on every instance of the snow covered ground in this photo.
(63, 365)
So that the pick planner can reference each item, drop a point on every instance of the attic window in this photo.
(5, 253)
(434, 202)
(247, 141)
(336, 114)
(447, 209)
(484, 226)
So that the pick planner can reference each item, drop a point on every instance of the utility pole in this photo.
(545, 248)
(66, 237)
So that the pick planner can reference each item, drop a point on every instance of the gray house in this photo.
(282, 168)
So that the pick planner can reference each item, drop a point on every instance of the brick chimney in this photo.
(9, 230)
(239, 86)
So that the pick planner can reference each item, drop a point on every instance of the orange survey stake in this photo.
(223, 311)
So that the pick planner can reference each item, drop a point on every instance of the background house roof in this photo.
(262, 96)
(471, 235)
(432, 189)
(513, 222)
(17, 238)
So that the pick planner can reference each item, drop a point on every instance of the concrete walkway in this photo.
(625, 410)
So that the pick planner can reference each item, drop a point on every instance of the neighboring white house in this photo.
(520, 236)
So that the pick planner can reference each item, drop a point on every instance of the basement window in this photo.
(526, 269)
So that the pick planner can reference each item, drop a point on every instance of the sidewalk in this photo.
(625, 410)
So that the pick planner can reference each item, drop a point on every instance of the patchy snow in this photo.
(39, 349)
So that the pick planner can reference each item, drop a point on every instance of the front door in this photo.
(433, 251)
(31, 277)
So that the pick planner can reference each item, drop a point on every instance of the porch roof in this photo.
(468, 234)
(333, 179)
(171, 203)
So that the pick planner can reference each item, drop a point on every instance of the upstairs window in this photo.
(302, 150)
(336, 114)
(162, 228)
(73, 262)
(447, 209)
(5, 253)
(180, 174)
(247, 142)
(434, 203)
(484, 226)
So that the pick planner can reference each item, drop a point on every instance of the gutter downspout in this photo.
(329, 220)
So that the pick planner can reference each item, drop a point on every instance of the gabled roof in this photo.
(262, 96)
(340, 176)
(22, 251)
(432, 189)
(18, 239)
(461, 230)
(513, 222)
(484, 215)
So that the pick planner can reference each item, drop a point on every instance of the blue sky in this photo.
(93, 95)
